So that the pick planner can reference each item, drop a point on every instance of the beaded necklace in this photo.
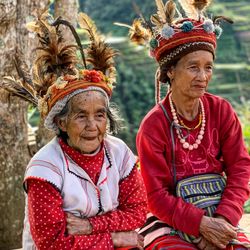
(182, 139)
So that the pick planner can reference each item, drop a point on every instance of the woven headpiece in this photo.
(57, 73)
(171, 35)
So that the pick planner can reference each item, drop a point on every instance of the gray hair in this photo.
(114, 119)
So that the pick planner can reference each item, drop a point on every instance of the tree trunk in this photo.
(68, 9)
(14, 154)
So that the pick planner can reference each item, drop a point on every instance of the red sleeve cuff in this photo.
(229, 214)
(191, 225)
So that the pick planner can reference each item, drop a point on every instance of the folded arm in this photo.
(132, 209)
(48, 223)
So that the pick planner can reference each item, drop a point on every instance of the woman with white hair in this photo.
(83, 188)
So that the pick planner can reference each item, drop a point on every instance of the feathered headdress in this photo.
(22, 87)
(137, 32)
(100, 55)
(57, 71)
(174, 33)
(54, 57)
(140, 31)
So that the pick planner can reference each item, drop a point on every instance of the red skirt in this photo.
(176, 243)
(172, 242)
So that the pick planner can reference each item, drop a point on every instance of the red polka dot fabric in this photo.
(48, 224)
(91, 164)
(132, 207)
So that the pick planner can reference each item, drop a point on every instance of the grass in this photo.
(247, 207)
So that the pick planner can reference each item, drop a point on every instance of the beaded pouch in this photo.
(204, 191)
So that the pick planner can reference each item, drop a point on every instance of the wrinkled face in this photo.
(192, 74)
(86, 122)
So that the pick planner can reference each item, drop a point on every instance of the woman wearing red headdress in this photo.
(83, 188)
(193, 159)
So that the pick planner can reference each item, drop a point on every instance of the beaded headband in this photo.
(169, 57)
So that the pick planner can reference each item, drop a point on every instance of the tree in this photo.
(68, 9)
(14, 154)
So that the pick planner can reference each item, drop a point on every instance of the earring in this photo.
(170, 76)
(168, 88)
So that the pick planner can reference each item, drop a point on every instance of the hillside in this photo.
(134, 93)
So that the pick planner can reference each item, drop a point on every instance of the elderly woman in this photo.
(83, 188)
(193, 159)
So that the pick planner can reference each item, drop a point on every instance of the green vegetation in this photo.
(243, 110)
(134, 93)
(247, 207)
(135, 89)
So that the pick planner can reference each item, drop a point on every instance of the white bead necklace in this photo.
(182, 139)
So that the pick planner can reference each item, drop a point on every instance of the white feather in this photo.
(187, 6)
(161, 10)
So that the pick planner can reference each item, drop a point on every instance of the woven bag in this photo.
(204, 191)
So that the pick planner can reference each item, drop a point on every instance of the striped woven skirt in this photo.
(159, 236)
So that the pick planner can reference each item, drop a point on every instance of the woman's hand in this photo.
(127, 239)
(217, 231)
(203, 244)
(76, 225)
